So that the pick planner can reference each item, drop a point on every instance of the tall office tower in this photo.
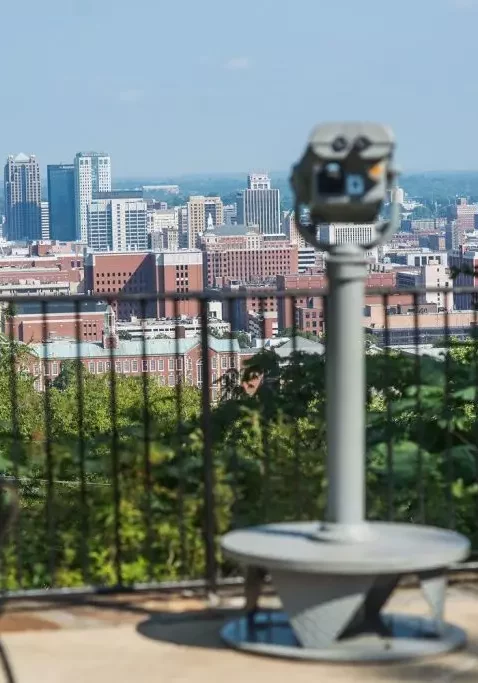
(117, 222)
(203, 211)
(183, 226)
(259, 205)
(397, 194)
(22, 198)
(92, 174)
(289, 228)
(45, 221)
(160, 219)
(230, 214)
(61, 200)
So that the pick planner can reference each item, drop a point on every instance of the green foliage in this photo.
(290, 332)
(122, 469)
(242, 337)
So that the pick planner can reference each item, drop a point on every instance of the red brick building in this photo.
(179, 271)
(235, 252)
(236, 310)
(285, 305)
(60, 322)
(63, 273)
(160, 362)
(150, 274)
(310, 309)
(311, 318)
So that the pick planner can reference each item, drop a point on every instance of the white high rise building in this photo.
(45, 220)
(92, 174)
(117, 224)
(260, 205)
(183, 226)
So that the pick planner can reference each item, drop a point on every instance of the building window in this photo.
(108, 365)
(214, 362)
(126, 366)
(37, 384)
(199, 371)
(101, 366)
(36, 369)
(171, 380)
(134, 366)
(144, 366)
(179, 363)
(118, 366)
(171, 364)
(160, 365)
(152, 365)
(91, 367)
(224, 362)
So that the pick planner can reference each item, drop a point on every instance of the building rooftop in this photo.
(62, 306)
(66, 350)
(302, 345)
(228, 230)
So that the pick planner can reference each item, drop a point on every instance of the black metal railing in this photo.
(132, 457)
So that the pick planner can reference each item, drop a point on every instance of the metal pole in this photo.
(346, 269)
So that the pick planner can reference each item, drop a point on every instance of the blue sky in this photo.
(179, 86)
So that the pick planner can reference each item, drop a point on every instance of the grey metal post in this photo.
(346, 269)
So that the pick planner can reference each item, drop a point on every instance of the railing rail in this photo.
(132, 458)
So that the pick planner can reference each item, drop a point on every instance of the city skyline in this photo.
(225, 104)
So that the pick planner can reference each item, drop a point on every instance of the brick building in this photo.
(179, 272)
(149, 274)
(241, 253)
(31, 274)
(160, 361)
(253, 298)
(432, 325)
(285, 304)
(29, 324)
(263, 325)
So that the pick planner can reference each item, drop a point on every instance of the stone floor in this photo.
(148, 637)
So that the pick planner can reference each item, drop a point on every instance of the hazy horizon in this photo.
(171, 89)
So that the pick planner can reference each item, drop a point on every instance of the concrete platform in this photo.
(155, 638)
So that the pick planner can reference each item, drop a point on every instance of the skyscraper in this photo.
(45, 221)
(117, 222)
(289, 227)
(22, 198)
(202, 210)
(61, 200)
(260, 205)
(183, 226)
(92, 174)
